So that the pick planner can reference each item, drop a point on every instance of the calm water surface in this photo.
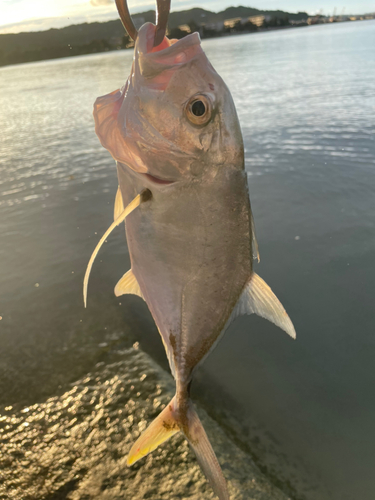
(306, 103)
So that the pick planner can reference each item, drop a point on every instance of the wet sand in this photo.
(74, 446)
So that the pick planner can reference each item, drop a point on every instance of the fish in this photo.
(183, 193)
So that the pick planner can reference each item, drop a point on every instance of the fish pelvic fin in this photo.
(160, 430)
(128, 284)
(258, 298)
(142, 197)
(172, 420)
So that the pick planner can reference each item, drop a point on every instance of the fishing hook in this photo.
(162, 13)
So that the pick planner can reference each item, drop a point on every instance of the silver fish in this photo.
(174, 133)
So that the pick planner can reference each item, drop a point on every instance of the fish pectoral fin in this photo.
(159, 431)
(258, 298)
(119, 204)
(128, 284)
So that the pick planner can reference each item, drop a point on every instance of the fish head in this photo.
(174, 119)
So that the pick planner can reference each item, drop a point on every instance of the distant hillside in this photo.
(98, 37)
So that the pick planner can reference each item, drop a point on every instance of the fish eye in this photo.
(198, 110)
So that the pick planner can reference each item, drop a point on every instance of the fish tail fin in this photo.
(198, 440)
(172, 420)
(160, 430)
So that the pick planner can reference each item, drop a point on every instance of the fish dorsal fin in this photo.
(119, 204)
(128, 284)
(258, 298)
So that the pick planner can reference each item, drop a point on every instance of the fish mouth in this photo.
(169, 54)
(146, 37)
(158, 180)
(146, 177)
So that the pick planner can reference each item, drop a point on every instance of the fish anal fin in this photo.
(258, 298)
(128, 284)
(119, 204)
(255, 246)
(160, 430)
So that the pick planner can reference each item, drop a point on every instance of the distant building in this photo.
(185, 28)
(297, 22)
(257, 20)
(319, 19)
(230, 23)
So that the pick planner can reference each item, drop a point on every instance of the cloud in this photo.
(100, 3)
(32, 25)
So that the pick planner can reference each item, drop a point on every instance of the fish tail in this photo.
(197, 437)
(182, 417)
(160, 430)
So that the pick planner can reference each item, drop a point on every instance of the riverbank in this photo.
(25, 53)
(97, 37)
(74, 446)
(115, 43)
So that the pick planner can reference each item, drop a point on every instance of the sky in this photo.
(38, 15)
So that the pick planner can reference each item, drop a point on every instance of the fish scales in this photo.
(174, 133)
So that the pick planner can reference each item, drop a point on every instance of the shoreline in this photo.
(220, 35)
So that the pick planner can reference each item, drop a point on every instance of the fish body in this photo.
(190, 251)
(174, 130)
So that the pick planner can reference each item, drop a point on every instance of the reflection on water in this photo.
(306, 102)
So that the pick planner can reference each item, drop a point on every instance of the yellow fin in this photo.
(145, 195)
(161, 429)
(119, 204)
(128, 284)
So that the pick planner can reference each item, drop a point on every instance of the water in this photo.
(306, 101)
